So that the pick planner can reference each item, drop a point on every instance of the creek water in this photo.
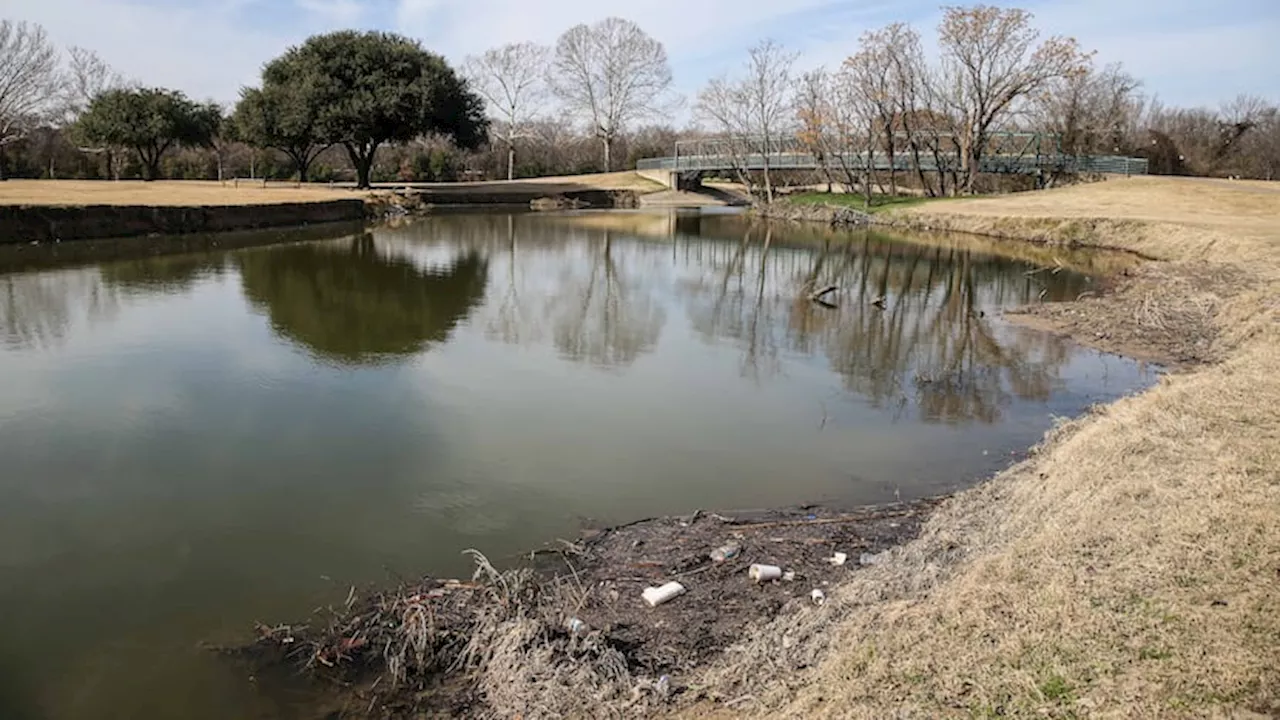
(190, 443)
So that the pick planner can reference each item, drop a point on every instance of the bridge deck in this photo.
(1010, 164)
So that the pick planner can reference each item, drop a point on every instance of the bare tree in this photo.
(511, 79)
(758, 109)
(991, 62)
(87, 76)
(871, 70)
(767, 95)
(721, 106)
(28, 80)
(1090, 111)
(908, 77)
(856, 121)
(815, 117)
(610, 74)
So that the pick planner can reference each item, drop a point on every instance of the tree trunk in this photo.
(973, 158)
(150, 166)
(3, 175)
(925, 187)
(892, 154)
(362, 158)
(301, 163)
(768, 184)
(867, 164)
(364, 169)
(608, 152)
(511, 160)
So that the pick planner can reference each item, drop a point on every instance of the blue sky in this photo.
(1184, 53)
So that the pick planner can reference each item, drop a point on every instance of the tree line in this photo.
(374, 106)
(998, 89)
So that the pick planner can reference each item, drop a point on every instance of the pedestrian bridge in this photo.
(1024, 154)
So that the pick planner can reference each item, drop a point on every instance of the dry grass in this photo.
(1131, 567)
(166, 193)
(604, 181)
(1176, 219)
(198, 193)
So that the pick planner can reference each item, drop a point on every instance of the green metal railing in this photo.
(1008, 152)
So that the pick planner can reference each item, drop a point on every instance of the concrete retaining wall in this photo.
(27, 223)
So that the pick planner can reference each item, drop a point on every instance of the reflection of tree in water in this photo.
(38, 308)
(605, 317)
(173, 273)
(558, 278)
(741, 309)
(511, 322)
(908, 322)
(352, 304)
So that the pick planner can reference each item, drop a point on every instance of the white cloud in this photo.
(335, 12)
(207, 48)
(210, 48)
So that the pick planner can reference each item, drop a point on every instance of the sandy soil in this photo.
(1131, 566)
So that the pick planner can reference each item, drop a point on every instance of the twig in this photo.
(696, 571)
(820, 521)
(582, 592)
(817, 296)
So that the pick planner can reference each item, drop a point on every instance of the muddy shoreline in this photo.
(573, 608)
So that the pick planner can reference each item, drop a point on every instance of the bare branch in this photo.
(610, 74)
(512, 80)
(28, 78)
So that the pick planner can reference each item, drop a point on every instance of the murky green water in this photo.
(191, 443)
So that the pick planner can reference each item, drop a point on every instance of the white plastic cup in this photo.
(818, 596)
(655, 596)
(765, 573)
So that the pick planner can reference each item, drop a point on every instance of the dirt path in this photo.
(1131, 567)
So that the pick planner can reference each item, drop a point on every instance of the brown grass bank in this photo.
(1131, 566)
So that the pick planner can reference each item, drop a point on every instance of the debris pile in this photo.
(621, 618)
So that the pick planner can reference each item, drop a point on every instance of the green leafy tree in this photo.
(278, 116)
(371, 88)
(150, 121)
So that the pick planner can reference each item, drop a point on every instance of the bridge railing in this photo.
(1022, 164)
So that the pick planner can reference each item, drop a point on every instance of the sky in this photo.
(1183, 53)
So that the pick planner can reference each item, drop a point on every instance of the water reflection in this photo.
(906, 323)
(38, 310)
(175, 273)
(351, 303)
(602, 315)
(912, 325)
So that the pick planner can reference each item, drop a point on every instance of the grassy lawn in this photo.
(879, 203)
